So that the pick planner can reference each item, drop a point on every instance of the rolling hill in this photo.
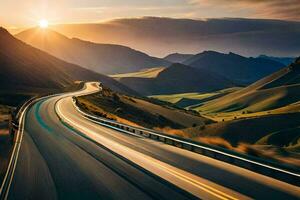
(141, 112)
(264, 113)
(279, 89)
(27, 69)
(177, 78)
(191, 100)
(257, 130)
(102, 58)
(239, 69)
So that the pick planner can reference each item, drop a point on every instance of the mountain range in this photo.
(203, 72)
(25, 68)
(237, 68)
(101, 58)
(177, 78)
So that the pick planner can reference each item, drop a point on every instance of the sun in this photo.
(43, 23)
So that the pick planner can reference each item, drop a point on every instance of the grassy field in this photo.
(264, 116)
(273, 136)
(145, 73)
(279, 89)
(262, 119)
(139, 111)
(191, 100)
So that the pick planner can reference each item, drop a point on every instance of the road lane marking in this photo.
(88, 116)
(163, 166)
(198, 184)
(16, 149)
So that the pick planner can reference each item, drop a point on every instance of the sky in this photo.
(19, 14)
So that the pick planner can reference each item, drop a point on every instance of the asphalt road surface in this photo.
(63, 155)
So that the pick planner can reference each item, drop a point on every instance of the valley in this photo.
(265, 114)
(135, 99)
(209, 96)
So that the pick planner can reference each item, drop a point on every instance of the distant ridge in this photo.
(239, 69)
(102, 58)
(160, 35)
(177, 57)
(283, 60)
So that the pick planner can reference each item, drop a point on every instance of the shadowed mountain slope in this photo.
(177, 78)
(26, 68)
(234, 67)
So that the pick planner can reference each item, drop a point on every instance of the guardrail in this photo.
(17, 116)
(261, 166)
(16, 122)
(17, 125)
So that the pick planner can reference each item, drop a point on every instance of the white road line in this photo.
(14, 157)
(202, 147)
(168, 172)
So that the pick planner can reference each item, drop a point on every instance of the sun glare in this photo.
(43, 23)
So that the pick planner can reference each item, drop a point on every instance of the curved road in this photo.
(63, 155)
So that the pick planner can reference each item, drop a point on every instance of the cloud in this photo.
(279, 9)
(160, 36)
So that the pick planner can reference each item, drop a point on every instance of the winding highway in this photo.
(64, 155)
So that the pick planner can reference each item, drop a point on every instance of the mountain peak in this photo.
(209, 52)
(26, 68)
(102, 58)
(233, 66)
(5, 37)
(38, 32)
(3, 32)
(177, 57)
(3, 29)
(235, 54)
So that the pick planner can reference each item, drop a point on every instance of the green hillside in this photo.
(190, 100)
(272, 92)
(264, 114)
